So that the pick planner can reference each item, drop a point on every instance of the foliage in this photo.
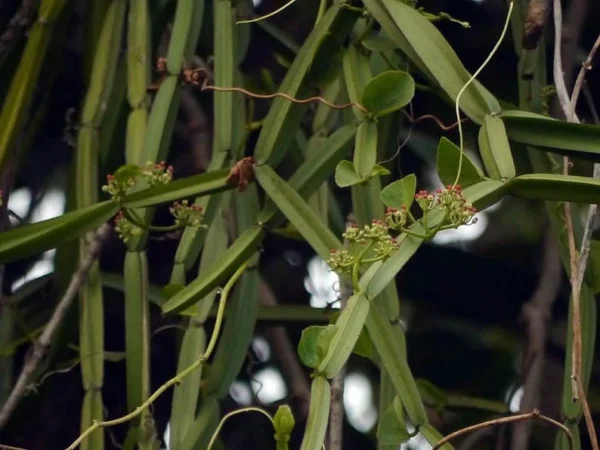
(360, 71)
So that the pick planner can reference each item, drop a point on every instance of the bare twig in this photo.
(559, 76)
(536, 314)
(590, 101)
(577, 269)
(576, 13)
(285, 353)
(587, 65)
(42, 344)
(336, 413)
(495, 422)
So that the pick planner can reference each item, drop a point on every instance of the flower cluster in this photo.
(458, 210)
(187, 215)
(157, 173)
(367, 245)
(117, 187)
(450, 200)
(127, 176)
(395, 218)
(125, 229)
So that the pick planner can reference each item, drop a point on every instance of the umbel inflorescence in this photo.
(127, 222)
(442, 209)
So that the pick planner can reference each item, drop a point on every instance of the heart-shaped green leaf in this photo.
(401, 192)
(388, 92)
(314, 343)
(448, 157)
(345, 175)
(392, 427)
(379, 171)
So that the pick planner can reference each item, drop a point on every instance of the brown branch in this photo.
(336, 412)
(535, 414)
(585, 67)
(42, 344)
(575, 16)
(577, 269)
(537, 15)
(536, 315)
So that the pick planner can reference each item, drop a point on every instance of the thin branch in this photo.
(585, 67)
(41, 346)
(575, 17)
(559, 75)
(577, 268)
(336, 413)
(536, 315)
(590, 101)
(495, 422)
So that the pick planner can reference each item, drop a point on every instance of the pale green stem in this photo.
(321, 12)
(356, 267)
(180, 376)
(233, 413)
(467, 84)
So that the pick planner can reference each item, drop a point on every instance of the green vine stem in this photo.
(180, 376)
(240, 411)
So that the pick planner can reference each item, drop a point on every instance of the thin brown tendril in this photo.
(193, 76)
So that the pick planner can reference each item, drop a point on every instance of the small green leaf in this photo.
(324, 341)
(345, 175)
(400, 193)
(388, 92)
(379, 170)
(448, 156)
(127, 172)
(308, 346)
(392, 427)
